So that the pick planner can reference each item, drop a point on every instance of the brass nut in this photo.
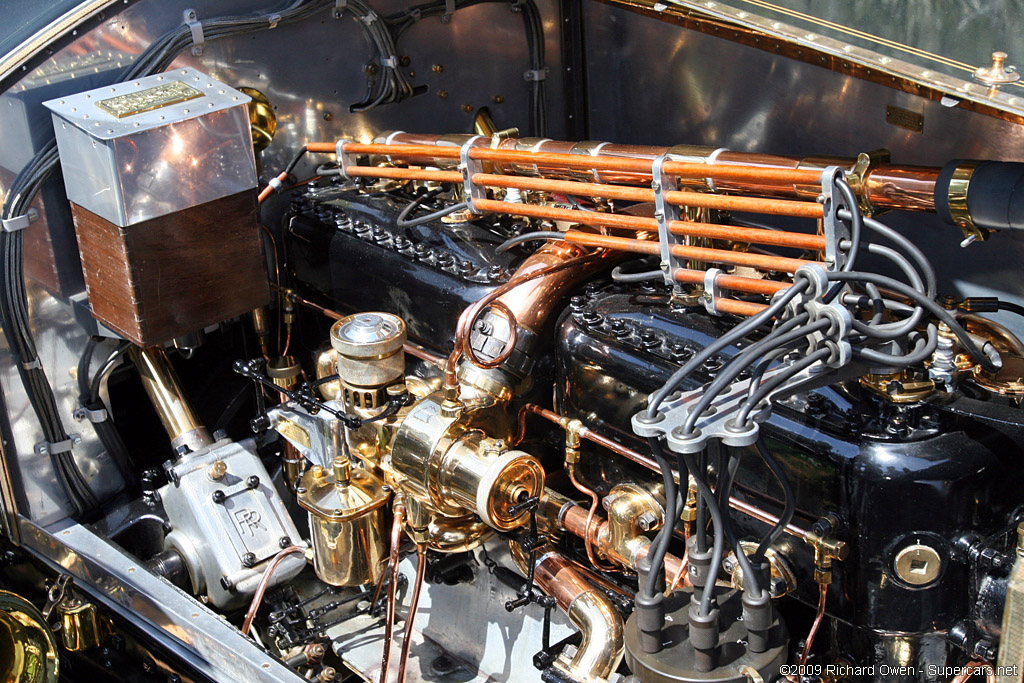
(437, 68)
(443, 94)
(468, 108)
(918, 564)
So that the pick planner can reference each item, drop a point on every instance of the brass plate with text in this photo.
(148, 99)
(904, 118)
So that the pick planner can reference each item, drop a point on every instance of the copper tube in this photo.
(403, 174)
(822, 595)
(595, 501)
(974, 668)
(649, 463)
(590, 610)
(733, 233)
(164, 389)
(623, 192)
(682, 251)
(389, 624)
(887, 186)
(261, 588)
(414, 603)
(785, 176)
(737, 283)
(778, 207)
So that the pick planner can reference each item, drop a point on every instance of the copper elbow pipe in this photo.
(172, 405)
(590, 611)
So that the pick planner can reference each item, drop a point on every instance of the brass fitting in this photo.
(827, 549)
(632, 513)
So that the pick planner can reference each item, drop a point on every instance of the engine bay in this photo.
(394, 393)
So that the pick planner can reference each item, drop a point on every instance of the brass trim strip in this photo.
(29, 48)
(957, 197)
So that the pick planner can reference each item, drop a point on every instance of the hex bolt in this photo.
(647, 521)
(248, 560)
(219, 496)
(253, 482)
(437, 68)
(284, 542)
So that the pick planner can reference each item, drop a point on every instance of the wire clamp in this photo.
(835, 229)
(469, 168)
(536, 75)
(449, 10)
(344, 158)
(665, 213)
(196, 27)
(390, 62)
(339, 8)
(87, 413)
(273, 20)
(65, 446)
(712, 292)
(33, 364)
(16, 223)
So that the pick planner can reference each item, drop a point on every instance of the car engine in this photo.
(324, 362)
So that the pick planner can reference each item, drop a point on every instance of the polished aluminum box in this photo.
(145, 148)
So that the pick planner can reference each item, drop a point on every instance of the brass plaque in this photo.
(904, 118)
(149, 99)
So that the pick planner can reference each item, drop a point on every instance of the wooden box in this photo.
(174, 274)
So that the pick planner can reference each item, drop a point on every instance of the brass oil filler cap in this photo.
(370, 356)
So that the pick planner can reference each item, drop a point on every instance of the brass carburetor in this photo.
(459, 482)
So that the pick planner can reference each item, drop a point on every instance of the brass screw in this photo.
(468, 108)
(437, 68)
(498, 99)
(443, 94)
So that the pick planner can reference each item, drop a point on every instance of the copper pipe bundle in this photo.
(884, 185)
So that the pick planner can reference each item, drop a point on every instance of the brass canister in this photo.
(346, 523)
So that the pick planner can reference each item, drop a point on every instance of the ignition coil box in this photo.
(161, 176)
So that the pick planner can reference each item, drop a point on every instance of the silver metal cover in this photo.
(149, 147)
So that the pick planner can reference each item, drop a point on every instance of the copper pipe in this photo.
(822, 595)
(733, 233)
(778, 207)
(414, 603)
(261, 588)
(424, 174)
(389, 624)
(590, 610)
(595, 501)
(682, 251)
(649, 463)
(740, 284)
(974, 668)
(623, 192)
(887, 186)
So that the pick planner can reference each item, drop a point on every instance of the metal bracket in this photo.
(344, 158)
(835, 229)
(16, 223)
(469, 168)
(196, 27)
(339, 8)
(712, 292)
(65, 446)
(312, 435)
(665, 213)
(449, 10)
(94, 416)
(536, 74)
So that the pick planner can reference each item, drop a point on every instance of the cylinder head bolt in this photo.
(370, 356)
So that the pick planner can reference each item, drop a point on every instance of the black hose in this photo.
(403, 222)
(664, 537)
(529, 237)
(642, 276)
